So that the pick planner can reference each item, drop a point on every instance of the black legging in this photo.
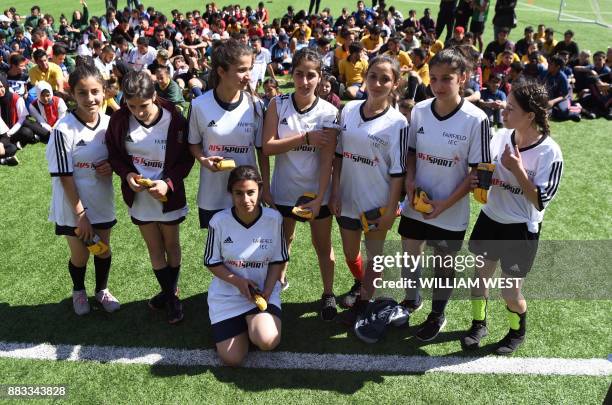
(445, 18)
(9, 148)
(312, 4)
(30, 133)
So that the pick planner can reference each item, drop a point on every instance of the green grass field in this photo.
(35, 290)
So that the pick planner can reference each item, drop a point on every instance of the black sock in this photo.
(174, 276)
(77, 274)
(102, 270)
(165, 280)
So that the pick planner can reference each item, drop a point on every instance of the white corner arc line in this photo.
(312, 361)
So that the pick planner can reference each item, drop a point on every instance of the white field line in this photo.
(311, 361)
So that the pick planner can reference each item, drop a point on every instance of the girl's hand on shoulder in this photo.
(131, 180)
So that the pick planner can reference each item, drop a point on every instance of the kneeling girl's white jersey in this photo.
(372, 150)
(543, 163)
(146, 144)
(445, 148)
(232, 131)
(297, 171)
(73, 150)
(246, 250)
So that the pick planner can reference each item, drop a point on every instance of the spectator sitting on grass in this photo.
(493, 100)
(352, 72)
(167, 88)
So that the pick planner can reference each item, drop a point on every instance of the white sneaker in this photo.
(80, 302)
(108, 301)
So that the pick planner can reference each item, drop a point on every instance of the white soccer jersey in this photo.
(445, 147)
(543, 163)
(247, 251)
(146, 144)
(140, 61)
(229, 131)
(373, 150)
(260, 64)
(297, 171)
(73, 150)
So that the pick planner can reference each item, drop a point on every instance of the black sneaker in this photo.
(353, 295)
(328, 307)
(174, 309)
(510, 343)
(471, 340)
(349, 316)
(9, 161)
(412, 305)
(431, 327)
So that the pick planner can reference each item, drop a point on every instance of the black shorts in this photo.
(69, 230)
(285, 211)
(174, 222)
(350, 224)
(477, 27)
(205, 216)
(512, 244)
(237, 325)
(436, 237)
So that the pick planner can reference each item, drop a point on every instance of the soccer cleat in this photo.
(328, 307)
(18, 145)
(9, 161)
(472, 338)
(412, 305)
(80, 302)
(108, 301)
(353, 295)
(431, 327)
(510, 343)
(174, 309)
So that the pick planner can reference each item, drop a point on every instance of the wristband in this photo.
(82, 212)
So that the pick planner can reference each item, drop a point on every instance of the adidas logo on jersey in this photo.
(284, 121)
(81, 143)
(420, 131)
(129, 138)
(212, 124)
(228, 240)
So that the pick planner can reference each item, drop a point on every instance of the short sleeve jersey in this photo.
(445, 148)
(146, 144)
(372, 150)
(543, 163)
(73, 150)
(247, 251)
(297, 171)
(232, 131)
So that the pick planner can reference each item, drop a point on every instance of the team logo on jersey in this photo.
(305, 148)
(228, 240)
(243, 264)
(454, 139)
(229, 148)
(212, 124)
(138, 160)
(81, 143)
(506, 186)
(360, 159)
(284, 121)
(437, 160)
(128, 138)
(420, 131)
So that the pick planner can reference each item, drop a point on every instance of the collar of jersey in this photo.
(450, 114)
(227, 106)
(155, 122)
(363, 117)
(313, 105)
(84, 124)
(533, 145)
(247, 226)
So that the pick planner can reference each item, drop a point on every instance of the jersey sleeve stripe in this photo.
(60, 153)
(209, 246)
(284, 253)
(553, 183)
(485, 136)
(404, 148)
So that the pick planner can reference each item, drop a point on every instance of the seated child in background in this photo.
(493, 100)
(326, 92)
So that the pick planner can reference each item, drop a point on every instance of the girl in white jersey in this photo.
(147, 139)
(246, 252)
(528, 169)
(368, 175)
(294, 131)
(82, 204)
(448, 136)
(226, 123)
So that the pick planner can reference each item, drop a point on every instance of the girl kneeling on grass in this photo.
(147, 139)
(246, 252)
(82, 204)
(368, 173)
(528, 169)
